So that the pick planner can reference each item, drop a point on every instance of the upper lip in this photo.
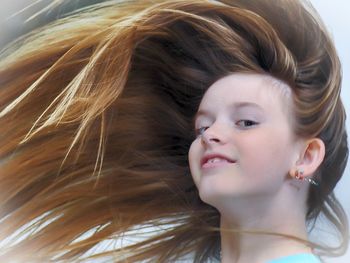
(206, 157)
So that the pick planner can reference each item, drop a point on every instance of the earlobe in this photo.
(312, 157)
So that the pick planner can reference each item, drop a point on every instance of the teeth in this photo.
(216, 159)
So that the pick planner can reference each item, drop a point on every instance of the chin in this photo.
(213, 195)
(209, 199)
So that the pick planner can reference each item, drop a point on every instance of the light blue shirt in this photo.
(298, 258)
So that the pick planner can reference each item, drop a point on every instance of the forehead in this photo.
(264, 90)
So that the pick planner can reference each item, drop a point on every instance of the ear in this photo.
(311, 157)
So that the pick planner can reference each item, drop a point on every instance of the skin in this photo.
(248, 119)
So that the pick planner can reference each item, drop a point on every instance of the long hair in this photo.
(96, 116)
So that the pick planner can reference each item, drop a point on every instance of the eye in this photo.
(200, 130)
(246, 123)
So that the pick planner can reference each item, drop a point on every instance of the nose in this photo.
(212, 136)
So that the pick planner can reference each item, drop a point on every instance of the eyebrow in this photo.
(235, 106)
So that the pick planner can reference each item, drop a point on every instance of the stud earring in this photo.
(298, 174)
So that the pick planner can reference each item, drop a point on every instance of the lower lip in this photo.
(216, 165)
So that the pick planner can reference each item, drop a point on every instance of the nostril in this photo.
(207, 139)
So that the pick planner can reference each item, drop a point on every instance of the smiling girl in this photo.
(216, 123)
(243, 162)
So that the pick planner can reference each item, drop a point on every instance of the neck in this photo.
(258, 247)
(250, 247)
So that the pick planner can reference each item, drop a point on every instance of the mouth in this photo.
(216, 161)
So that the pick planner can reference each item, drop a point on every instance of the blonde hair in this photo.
(96, 117)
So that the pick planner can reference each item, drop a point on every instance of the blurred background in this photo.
(334, 14)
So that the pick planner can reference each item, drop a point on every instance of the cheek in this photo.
(266, 151)
(193, 160)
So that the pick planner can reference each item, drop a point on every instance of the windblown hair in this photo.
(96, 116)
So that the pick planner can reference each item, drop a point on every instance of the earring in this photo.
(299, 175)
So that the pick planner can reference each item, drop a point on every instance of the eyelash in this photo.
(200, 130)
(252, 122)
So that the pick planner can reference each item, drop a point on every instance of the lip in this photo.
(216, 155)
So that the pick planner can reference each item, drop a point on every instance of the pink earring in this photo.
(299, 175)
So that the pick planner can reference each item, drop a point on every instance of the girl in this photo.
(217, 123)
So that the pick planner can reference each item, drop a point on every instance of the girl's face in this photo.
(244, 145)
